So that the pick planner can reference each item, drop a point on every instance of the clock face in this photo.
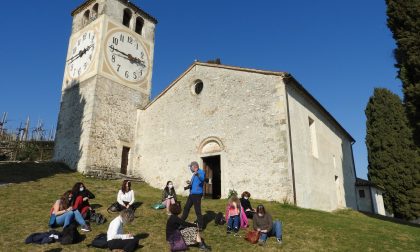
(126, 56)
(81, 54)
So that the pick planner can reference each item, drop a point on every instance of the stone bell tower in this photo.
(107, 77)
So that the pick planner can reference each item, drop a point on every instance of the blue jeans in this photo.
(66, 218)
(275, 231)
(233, 223)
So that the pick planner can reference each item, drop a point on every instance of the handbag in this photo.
(176, 242)
(51, 223)
(158, 206)
(252, 236)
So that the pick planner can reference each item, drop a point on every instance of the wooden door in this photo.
(208, 187)
(124, 160)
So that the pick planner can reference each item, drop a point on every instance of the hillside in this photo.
(29, 189)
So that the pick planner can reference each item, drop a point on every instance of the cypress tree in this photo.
(391, 157)
(404, 22)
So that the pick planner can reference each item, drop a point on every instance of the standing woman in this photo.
(115, 236)
(62, 214)
(168, 195)
(125, 197)
(264, 224)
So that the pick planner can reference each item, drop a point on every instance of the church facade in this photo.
(249, 129)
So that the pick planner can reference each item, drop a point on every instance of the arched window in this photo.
(127, 17)
(86, 17)
(95, 11)
(139, 25)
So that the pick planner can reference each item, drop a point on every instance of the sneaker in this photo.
(86, 228)
(261, 242)
(279, 241)
(228, 231)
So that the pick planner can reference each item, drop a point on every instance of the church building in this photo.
(249, 129)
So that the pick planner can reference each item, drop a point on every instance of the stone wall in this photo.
(74, 124)
(324, 181)
(244, 111)
(113, 123)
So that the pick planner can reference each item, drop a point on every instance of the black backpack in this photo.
(100, 241)
(219, 219)
(70, 234)
(97, 218)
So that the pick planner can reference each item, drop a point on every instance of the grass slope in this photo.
(25, 206)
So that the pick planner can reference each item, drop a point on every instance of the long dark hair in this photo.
(260, 209)
(169, 191)
(64, 200)
(75, 191)
(123, 186)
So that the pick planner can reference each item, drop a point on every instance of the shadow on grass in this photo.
(20, 172)
(141, 236)
(54, 250)
(390, 219)
(95, 206)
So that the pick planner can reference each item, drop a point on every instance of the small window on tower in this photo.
(127, 17)
(361, 193)
(139, 25)
(86, 17)
(95, 11)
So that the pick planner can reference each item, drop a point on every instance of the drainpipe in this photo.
(291, 146)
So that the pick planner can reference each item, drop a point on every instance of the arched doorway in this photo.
(210, 150)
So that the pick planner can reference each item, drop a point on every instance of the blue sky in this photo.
(338, 50)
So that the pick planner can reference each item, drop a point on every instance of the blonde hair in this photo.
(127, 215)
(235, 199)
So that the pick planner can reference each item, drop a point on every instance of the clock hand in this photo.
(115, 49)
(129, 57)
(80, 53)
(73, 58)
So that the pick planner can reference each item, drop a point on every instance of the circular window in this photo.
(198, 87)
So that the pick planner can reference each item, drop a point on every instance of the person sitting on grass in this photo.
(125, 197)
(62, 214)
(264, 224)
(246, 204)
(117, 240)
(168, 195)
(80, 199)
(235, 215)
(190, 232)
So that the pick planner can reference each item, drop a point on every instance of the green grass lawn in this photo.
(25, 204)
